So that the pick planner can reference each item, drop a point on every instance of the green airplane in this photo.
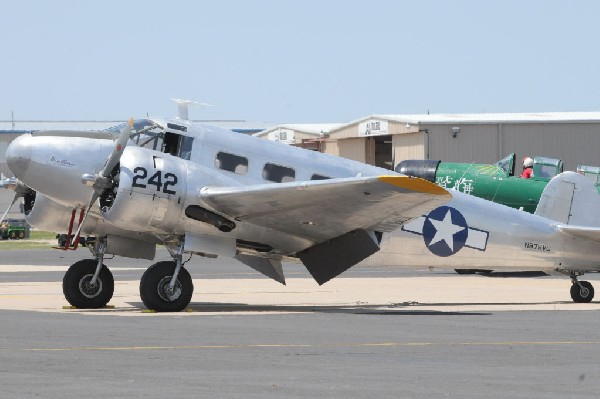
(497, 182)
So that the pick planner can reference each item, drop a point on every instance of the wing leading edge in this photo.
(339, 216)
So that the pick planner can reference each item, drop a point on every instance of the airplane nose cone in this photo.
(18, 155)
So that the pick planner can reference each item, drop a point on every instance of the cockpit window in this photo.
(178, 145)
(185, 147)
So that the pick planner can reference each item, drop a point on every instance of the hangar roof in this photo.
(309, 128)
(526, 117)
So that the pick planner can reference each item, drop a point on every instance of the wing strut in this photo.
(75, 242)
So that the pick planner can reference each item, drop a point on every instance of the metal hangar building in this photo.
(385, 140)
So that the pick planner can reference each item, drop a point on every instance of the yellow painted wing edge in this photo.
(414, 184)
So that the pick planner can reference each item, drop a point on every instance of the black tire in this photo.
(581, 296)
(12, 235)
(62, 240)
(21, 235)
(76, 285)
(156, 279)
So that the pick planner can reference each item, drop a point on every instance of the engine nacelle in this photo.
(150, 192)
(45, 214)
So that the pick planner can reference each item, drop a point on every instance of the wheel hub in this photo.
(165, 292)
(88, 289)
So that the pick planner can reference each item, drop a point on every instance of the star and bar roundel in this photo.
(445, 232)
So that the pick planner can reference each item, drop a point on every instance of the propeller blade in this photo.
(102, 180)
(17, 196)
(117, 151)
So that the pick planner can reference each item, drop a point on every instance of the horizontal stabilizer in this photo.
(591, 233)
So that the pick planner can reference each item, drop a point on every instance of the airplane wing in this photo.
(320, 210)
(592, 233)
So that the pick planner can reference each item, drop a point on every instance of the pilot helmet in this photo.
(527, 162)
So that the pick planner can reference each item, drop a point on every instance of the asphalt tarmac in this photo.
(373, 332)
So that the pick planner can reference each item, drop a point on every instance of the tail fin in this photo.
(570, 198)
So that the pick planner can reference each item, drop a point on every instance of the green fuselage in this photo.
(491, 183)
(496, 182)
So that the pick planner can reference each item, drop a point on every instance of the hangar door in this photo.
(379, 151)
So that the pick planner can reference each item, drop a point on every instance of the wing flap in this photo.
(324, 209)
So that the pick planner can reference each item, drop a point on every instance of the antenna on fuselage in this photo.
(182, 107)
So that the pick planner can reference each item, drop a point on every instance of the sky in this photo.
(296, 61)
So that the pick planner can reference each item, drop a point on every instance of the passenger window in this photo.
(278, 174)
(231, 163)
(317, 176)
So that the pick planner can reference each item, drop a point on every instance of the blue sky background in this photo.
(296, 61)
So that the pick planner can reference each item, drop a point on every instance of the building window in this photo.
(278, 173)
(232, 163)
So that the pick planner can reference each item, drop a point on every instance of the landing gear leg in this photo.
(167, 286)
(88, 284)
(581, 291)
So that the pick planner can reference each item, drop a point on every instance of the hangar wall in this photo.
(574, 143)
(573, 137)
(408, 146)
(472, 143)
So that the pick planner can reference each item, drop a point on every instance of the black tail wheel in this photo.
(78, 289)
(583, 293)
(155, 291)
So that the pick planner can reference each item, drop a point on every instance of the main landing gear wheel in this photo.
(582, 292)
(78, 287)
(156, 293)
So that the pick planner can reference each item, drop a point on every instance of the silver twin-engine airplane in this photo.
(199, 189)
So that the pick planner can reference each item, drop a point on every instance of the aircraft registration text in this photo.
(537, 247)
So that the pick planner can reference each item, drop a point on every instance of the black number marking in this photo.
(155, 180)
(168, 183)
(142, 176)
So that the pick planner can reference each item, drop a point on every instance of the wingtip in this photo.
(414, 184)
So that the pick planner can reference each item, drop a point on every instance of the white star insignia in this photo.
(445, 230)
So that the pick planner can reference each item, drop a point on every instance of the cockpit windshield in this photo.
(138, 125)
(507, 164)
(147, 133)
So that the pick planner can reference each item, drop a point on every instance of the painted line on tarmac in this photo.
(338, 345)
